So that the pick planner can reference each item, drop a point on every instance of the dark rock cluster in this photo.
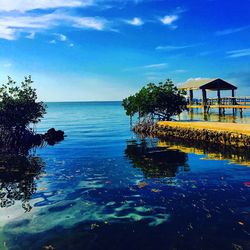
(53, 136)
(21, 140)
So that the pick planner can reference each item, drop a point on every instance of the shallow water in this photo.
(104, 188)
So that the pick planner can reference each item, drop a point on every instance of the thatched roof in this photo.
(207, 83)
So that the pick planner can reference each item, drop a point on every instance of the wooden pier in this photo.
(221, 103)
(234, 103)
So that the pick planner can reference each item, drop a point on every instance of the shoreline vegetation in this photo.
(19, 109)
(155, 105)
(19, 167)
(155, 102)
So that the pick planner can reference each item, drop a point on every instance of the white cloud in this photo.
(17, 17)
(169, 19)
(7, 33)
(31, 35)
(13, 25)
(239, 53)
(136, 21)
(231, 31)
(27, 5)
(172, 48)
(52, 41)
(28, 21)
(96, 23)
(62, 37)
(180, 71)
(155, 66)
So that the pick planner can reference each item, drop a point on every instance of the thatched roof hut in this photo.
(207, 83)
(204, 84)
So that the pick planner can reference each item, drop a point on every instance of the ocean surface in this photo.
(103, 187)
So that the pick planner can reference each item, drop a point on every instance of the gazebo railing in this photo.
(226, 101)
(195, 101)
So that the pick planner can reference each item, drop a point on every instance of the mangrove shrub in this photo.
(18, 105)
(155, 101)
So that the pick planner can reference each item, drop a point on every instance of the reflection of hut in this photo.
(207, 84)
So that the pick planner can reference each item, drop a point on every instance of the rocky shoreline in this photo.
(227, 138)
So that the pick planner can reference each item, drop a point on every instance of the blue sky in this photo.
(105, 50)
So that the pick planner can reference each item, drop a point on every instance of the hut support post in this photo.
(204, 100)
(219, 97)
(233, 96)
(219, 100)
(191, 96)
(233, 100)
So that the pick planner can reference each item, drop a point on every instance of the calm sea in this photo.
(104, 188)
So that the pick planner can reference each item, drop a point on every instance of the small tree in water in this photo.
(19, 106)
(161, 101)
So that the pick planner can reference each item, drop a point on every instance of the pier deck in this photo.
(212, 126)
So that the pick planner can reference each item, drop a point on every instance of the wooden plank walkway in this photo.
(212, 126)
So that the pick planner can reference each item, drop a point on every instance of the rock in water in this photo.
(53, 136)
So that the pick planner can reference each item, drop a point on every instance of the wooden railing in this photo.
(226, 101)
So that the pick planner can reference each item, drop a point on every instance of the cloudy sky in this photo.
(107, 49)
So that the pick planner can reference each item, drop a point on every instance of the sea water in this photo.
(105, 188)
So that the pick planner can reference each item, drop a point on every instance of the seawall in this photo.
(231, 134)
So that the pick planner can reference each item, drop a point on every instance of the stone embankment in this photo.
(231, 134)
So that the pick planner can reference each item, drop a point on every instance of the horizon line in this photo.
(80, 101)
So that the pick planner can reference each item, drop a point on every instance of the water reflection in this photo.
(154, 161)
(209, 151)
(19, 165)
(17, 179)
(214, 116)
